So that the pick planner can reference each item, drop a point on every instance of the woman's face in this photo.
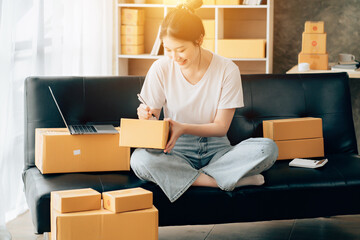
(184, 53)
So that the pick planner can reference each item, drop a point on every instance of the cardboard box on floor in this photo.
(127, 200)
(76, 200)
(144, 133)
(105, 225)
(57, 151)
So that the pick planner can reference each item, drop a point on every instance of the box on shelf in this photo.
(170, 2)
(209, 26)
(75, 200)
(314, 27)
(144, 133)
(314, 43)
(132, 30)
(227, 2)
(131, 16)
(293, 128)
(242, 48)
(209, 2)
(316, 61)
(104, 224)
(209, 44)
(132, 49)
(127, 200)
(132, 39)
(57, 151)
(300, 148)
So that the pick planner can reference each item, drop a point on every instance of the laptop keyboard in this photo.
(84, 129)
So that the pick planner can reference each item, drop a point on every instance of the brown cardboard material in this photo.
(132, 39)
(144, 133)
(227, 2)
(314, 27)
(132, 49)
(316, 61)
(242, 48)
(301, 148)
(76, 200)
(127, 200)
(294, 128)
(57, 151)
(314, 43)
(132, 30)
(130, 16)
(105, 225)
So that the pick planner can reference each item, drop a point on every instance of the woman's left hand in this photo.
(176, 130)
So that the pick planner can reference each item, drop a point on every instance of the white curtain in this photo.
(43, 38)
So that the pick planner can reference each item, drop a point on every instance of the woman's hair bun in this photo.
(191, 5)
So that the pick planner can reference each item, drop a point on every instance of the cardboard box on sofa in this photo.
(293, 128)
(130, 16)
(76, 200)
(57, 151)
(242, 48)
(300, 148)
(105, 225)
(314, 27)
(144, 133)
(314, 43)
(127, 200)
(316, 61)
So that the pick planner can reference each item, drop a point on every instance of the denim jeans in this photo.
(176, 171)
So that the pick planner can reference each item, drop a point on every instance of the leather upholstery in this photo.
(287, 193)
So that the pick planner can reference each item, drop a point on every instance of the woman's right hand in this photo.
(144, 112)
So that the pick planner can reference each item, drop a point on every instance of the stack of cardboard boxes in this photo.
(124, 214)
(314, 46)
(132, 31)
(297, 137)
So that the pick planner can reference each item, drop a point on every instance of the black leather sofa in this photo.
(288, 193)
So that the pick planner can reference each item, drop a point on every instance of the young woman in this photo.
(199, 92)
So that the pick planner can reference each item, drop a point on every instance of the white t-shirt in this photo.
(166, 87)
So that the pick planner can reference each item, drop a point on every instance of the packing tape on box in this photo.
(303, 67)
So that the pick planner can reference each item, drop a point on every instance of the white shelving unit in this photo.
(231, 21)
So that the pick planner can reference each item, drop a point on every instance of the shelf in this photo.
(204, 6)
(147, 56)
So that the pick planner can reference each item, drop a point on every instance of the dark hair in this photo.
(182, 22)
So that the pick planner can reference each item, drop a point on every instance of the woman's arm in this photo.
(218, 128)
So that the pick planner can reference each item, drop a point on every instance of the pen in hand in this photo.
(143, 102)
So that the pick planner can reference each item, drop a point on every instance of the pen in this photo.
(143, 102)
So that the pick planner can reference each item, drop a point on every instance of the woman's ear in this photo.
(200, 40)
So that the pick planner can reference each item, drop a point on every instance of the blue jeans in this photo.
(175, 172)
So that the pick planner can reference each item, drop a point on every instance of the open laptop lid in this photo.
(57, 105)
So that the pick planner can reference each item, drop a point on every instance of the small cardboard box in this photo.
(132, 30)
(209, 2)
(76, 200)
(127, 200)
(132, 49)
(314, 43)
(294, 128)
(144, 133)
(314, 27)
(131, 16)
(300, 148)
(316, 61)
(209, 44)
(132, 39)
(242, 48)
(57, 151)
(170, 2)
(209, 26)
(105, 225)
(227, 2)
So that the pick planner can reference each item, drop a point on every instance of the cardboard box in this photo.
(127, 200)
(209, 26)
(316, 61)
(314, 27)
(242, 48)
(132, 39)
(301, 148)
(209, 44)
(144, 133)
(131, 16)
(314, 43)
(132, 49)
(209, 2)
(170, 2)
(105, 225)
(76, 200)
(132, 30)
(293, 128)
(56, 151)
(227, 2)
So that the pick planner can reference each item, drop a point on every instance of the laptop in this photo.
(85, 129)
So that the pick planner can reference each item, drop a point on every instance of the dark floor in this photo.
(336, 228)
